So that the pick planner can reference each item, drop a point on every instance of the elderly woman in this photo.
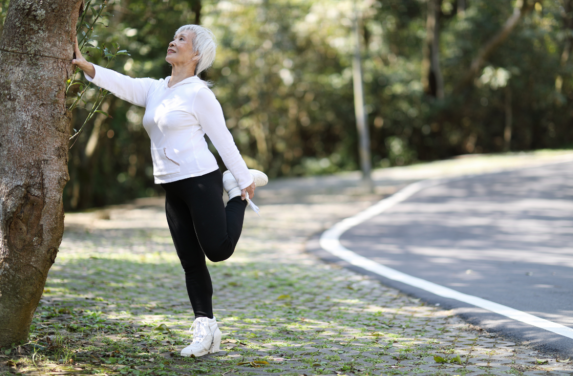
(179, 111)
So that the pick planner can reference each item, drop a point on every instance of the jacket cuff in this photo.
(243, 186)
(93, 79)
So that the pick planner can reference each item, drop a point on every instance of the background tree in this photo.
(35, 61)
(432, 79)
(283, 75)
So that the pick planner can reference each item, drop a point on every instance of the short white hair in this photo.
(203, 44)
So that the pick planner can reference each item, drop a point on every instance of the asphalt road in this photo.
(505, 237)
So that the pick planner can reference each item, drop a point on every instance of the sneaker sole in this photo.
(196, 355)
(260, 178)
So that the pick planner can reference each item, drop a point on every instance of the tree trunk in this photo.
(461, 7)
(432, 80)
(508, 120)
(568, 26)
(35, 61)
(568, 43)
(521, 8)
(197, 11)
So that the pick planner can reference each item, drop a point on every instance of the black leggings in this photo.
(200, 226)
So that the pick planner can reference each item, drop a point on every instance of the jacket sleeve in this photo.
(133, 90)
(210, 116)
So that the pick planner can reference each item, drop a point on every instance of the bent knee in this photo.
(218, 258)
(219, 255)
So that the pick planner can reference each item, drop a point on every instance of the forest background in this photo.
(283, 75)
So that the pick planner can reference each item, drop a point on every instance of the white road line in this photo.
(330, 242)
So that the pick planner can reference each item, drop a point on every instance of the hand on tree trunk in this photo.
(82, 63)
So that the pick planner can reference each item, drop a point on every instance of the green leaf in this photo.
(283, 297)
(456, 360)
(78, 83)
(103, 112)
(439, 359)
(162, 328)
(541, 361)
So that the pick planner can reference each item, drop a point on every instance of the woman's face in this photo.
(180, 50)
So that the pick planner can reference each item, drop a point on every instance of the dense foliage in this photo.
(283, 75)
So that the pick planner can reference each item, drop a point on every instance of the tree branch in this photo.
(521, 8)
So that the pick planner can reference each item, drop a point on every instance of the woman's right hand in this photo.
(82, 63)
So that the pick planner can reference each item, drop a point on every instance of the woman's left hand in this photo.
(82, 63)
(250, 190)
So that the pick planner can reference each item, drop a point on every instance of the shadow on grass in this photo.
(121, 312)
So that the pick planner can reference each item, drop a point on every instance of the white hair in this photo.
(203, 44)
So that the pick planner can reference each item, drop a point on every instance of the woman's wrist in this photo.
(89, 69)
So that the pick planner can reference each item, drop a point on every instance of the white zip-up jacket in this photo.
(177, 119)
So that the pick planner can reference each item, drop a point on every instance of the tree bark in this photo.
(519, 11)
(36, 49)
(432, 80)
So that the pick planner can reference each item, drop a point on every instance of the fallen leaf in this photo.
(284, 296)
(162, 328)
(254, 364)
(439, 359)
(541, 361)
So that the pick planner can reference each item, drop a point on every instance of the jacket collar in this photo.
(188, 80)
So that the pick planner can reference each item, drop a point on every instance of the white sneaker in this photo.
(232, 187)
(206, 338)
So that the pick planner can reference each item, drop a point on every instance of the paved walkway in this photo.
(115, 303)
(504, 237)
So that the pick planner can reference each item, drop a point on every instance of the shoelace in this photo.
(252, 204)
(199, 331)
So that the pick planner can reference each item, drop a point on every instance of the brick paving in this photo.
(115, 303)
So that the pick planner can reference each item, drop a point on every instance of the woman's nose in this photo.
(171, 44)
